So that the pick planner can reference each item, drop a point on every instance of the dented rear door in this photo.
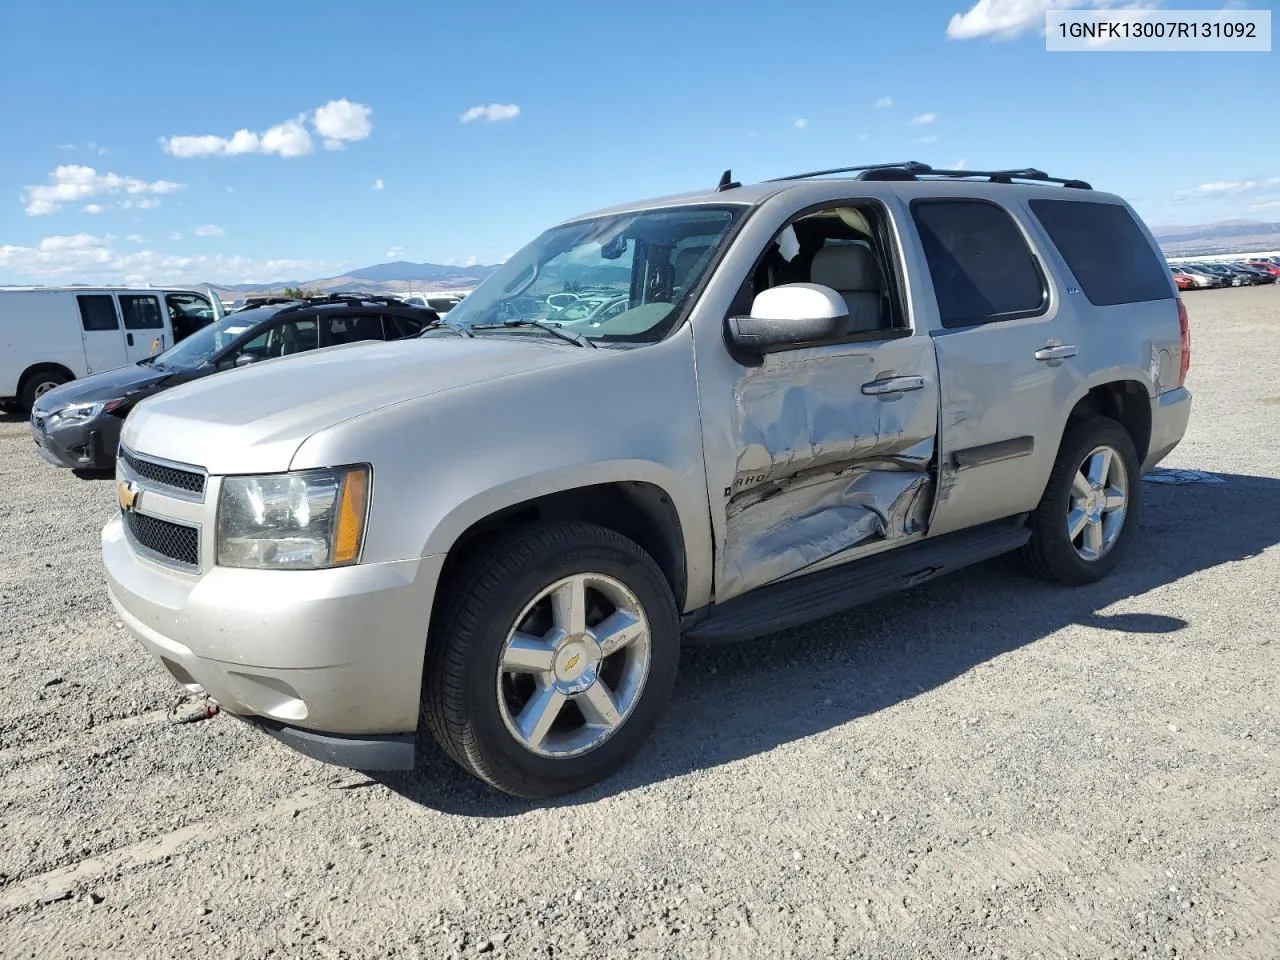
(832, 459)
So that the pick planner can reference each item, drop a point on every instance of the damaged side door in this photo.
(834, 444)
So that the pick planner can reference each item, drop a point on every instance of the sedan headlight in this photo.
(74, 412)
(306, 520)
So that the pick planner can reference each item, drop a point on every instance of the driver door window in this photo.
(280, 340)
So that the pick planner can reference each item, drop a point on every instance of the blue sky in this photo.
(455, 132)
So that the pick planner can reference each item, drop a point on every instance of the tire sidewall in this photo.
(491, 736)
(1080, 442)
(33, 382)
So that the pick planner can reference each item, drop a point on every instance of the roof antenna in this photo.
(727, 182)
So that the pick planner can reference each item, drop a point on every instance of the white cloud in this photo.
(338, 122)
(93, 208)
(959, 165)
(341, 121)
(66, 146)
(136, 238)
(142, 203)
(800, 123)
(1009, 19)
(175, 235)
(1239, 186)
(87, 258)
(492, 111)
(377, 184)
(929, 139)
(210, 230)
(1230, 188)
(71, 182)
(883, 102)
(288, 139)
(923, 119)
(394, 252)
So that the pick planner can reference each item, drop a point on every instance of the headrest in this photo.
(845, 267)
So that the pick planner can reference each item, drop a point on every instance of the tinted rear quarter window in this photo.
(981, 267)
(98, 312)
(1105, 250)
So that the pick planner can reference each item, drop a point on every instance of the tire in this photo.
(477, 711)
(37, 384)
(1052, 553)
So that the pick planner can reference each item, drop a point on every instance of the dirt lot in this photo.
(981, 767)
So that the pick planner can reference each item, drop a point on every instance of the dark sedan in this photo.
(78, 424)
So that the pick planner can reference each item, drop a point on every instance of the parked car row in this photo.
(78, 424)
(1237, 273)
(498, 533)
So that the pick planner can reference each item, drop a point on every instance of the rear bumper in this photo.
(1170, 414)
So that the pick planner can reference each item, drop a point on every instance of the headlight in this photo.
(85, 411)
(305, 520)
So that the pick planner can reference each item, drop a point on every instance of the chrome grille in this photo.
(176, 542)
(175, 478)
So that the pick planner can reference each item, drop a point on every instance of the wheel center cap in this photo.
(1093, 503)
(575, 663)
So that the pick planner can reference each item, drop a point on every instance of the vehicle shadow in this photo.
(736, 701)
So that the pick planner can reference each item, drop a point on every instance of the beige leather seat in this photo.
(851, 270)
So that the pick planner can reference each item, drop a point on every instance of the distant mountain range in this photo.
(401, 277)
(1228, 236)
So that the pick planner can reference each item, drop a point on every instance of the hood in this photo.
(109, 385)
(256, 417)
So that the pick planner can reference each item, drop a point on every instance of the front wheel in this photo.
(553, 659)
(1089, 509)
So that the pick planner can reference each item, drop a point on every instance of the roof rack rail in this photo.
(905, 165)
(915, 170)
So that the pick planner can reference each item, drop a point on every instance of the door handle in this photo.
(129, 338)
(1056, 351)
(892, 385)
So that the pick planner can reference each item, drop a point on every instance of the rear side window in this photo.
(981, 267)
(140, 312)
(398, 326)
(97, 312)
(1105, 250)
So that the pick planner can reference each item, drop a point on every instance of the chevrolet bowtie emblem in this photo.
(128, 496)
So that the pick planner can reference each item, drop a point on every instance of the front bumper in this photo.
(328, 661)
(1170, 414)
(79, 445)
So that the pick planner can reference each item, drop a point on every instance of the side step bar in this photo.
(792, 603)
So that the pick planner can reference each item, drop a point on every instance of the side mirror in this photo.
(245, 359)
(791, 315)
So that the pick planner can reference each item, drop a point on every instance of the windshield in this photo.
(200, 347)
(649, 260)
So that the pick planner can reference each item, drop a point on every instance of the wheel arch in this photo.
(632, 502)
(1126, 400)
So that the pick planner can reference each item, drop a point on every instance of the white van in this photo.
(50, 335)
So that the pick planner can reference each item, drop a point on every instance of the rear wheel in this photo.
(1089, 510)
(37, 384)
(553, 660)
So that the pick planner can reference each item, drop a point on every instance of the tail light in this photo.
(1185, 322)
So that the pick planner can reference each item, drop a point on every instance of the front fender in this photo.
(443, 462)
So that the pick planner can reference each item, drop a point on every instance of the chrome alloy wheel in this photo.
(44, 386)
(573, 667)
(1098, 503)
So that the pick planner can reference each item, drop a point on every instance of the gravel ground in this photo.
(983, 766)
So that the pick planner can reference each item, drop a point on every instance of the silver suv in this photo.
(823, 389)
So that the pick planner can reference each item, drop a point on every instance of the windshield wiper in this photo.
(441, 322)
(550, 328)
